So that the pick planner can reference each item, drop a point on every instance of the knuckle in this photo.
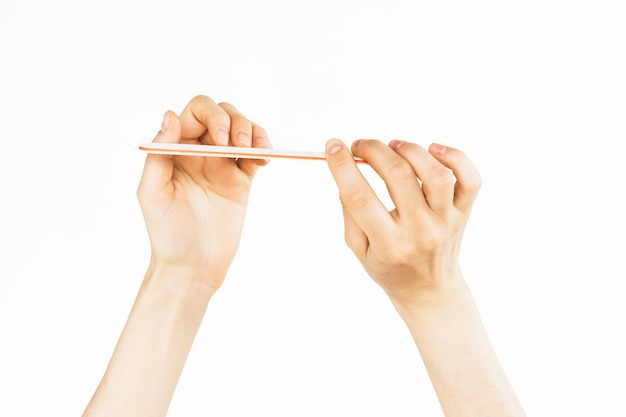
(258, 130)
(470, 176)
(342, 163)
(208, 113)
(440, 177)
(217, 117)
(399, 256)
(356, 198)
(362, 143)
(431, 242)
(224, 104)
(394, 245)
(431, 239)
(400, 170)
(200, 98)
(476, 183)
(240, 122)
(472, 183)
(363, 147)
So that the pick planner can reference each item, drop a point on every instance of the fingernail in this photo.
(166, 122)
(222, 136)
(356, 143)
(438, 149)
(333, 147)
(395, 144)
(261, 142)
(245, 138)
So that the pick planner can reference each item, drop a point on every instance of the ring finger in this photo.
(437, 180)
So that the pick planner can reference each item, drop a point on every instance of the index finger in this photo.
(202, 115)
(357, 195)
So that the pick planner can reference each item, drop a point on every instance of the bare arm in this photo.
(194, 210)
(458, 355)
(151, 352)
(412, 253)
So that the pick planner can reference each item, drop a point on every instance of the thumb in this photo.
(158, 169)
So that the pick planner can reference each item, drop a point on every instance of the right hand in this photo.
(411, 251)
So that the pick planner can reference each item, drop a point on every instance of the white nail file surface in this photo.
(230, 151)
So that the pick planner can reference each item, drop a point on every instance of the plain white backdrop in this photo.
(534, 92)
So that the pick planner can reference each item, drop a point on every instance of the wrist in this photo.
(180, 283)
(458, 355)
(155, 343)
(425, 302)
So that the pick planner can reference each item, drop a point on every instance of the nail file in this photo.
(231, 151)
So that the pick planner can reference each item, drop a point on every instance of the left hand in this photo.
(194, 207)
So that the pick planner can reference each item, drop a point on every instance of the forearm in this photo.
(151, 352)
(458, 356)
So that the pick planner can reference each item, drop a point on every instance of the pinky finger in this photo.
(259, 140)
(468, 180)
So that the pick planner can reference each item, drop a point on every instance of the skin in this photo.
(412, 252)
(194, 210)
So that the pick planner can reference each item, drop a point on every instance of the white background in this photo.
(534, 92)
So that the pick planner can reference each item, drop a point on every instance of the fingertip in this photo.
(333, 146)
(166, 121)
(261, 142)
(395, 144)
(447, 155)
(221, 137)
(218, 124)
(245, 139)
(170, 128)
(260, 137)
(261, 162)
(469, 180)
(437, 149)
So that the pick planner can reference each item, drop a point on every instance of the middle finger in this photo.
(398, 174)
(437, 180)
(203, 118)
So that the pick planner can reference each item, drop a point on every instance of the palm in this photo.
(201, 218)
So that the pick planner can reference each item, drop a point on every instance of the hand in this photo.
(412, 251)
(194, 207)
